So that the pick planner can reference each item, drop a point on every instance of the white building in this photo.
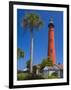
(49, 70)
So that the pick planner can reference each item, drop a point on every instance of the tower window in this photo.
(51, 50)
(51, 40)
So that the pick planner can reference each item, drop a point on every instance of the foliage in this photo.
(20, 53)
(32, 20)
(28, 76)
(46, 62)
(28, 64)
(43, 63)
(52, 77)
(34, 69)
(21, 76)
(49, 61)
(55, 74)
(34, 76)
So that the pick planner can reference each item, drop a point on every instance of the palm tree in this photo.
(31, 21)
(20, 53)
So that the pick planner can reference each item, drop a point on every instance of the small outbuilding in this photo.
(53, 70)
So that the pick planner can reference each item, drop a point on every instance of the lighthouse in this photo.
(51, 41)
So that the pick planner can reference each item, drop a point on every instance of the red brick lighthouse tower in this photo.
(51, 43)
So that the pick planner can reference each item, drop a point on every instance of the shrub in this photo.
(55, 74)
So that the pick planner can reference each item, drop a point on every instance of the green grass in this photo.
(21, 76)
(28, 76)
(52, 77)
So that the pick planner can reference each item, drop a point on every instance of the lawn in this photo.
(21, 76)
(28, 76)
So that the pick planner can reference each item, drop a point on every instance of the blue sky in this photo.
(40, 37)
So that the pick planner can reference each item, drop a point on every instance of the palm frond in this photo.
(20, 53)
(32, 20)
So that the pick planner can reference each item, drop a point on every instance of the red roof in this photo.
(59, 66)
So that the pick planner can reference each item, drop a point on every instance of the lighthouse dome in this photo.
(51, 22)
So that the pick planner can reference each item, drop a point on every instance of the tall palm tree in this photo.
(31, 21)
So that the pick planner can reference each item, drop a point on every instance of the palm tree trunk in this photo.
(31, 52)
